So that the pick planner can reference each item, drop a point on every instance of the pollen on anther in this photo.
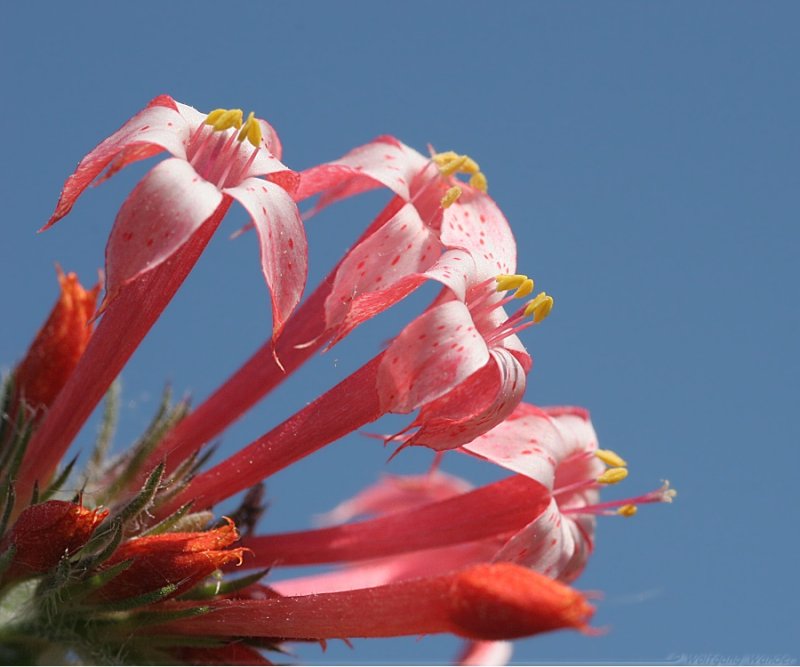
(611, 458)
(613, 476)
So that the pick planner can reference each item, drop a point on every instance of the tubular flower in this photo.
(496, 601)
(44, 534)
(160, 232)
(216, 157)
(59, 344)
(543, 517)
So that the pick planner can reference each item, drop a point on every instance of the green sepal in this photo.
(58, 482)
(166, 525)
(126, 604)
(207, 591)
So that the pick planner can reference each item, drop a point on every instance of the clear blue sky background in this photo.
(646, 155)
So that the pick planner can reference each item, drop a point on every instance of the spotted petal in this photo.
(475, 223)
(384, 161)
(474, 407)
(431, 356)
(369, 279)
(282, 238)
(158, 127)
(169, 204)
(534, 441)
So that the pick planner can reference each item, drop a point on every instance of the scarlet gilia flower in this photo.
(148, 576)
(58, 346)
(44, 534)
(160, 232)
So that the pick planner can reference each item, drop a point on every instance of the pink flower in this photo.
(215, 158)
(160, 232)
(543, 517)
(433, 212)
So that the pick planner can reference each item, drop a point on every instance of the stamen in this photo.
(224, 119)
(611, 458)
(469, 166)
(479, 182)
(451, 196)
(251, 130)
(627, 510)
(613, 476)
(539, 307)
(453, 166)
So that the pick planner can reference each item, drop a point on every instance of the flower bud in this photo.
(59, 344)
(45, 533)
(171, 558)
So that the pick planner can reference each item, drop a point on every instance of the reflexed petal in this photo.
(282, 239)
(160, 215)
(403, 246)
(384, 161)
(475, 223)
(533, 443)
(158, 127)
(552, 545)
(436, 352)
(474, 407)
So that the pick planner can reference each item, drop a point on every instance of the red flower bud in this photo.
(45, 533)
(59, 344)
(505, 601)
(172, 558)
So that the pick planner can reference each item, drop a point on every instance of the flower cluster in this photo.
(137, 568)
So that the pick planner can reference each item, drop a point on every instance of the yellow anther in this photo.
(214, 116)
(524, 289)
(539, 307)
(451, 196)
(479, 182)
(251, 130)
(451, 167)
(469, 166)
(441, 159)
(627, 510)
(610, 458)
(613, 476)
(224, 119)
(508, 282)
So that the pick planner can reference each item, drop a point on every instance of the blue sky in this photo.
(646, 155)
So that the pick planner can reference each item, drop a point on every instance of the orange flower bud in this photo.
(45, 533)
(59, 344)
(506, 601)
(172, 558)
